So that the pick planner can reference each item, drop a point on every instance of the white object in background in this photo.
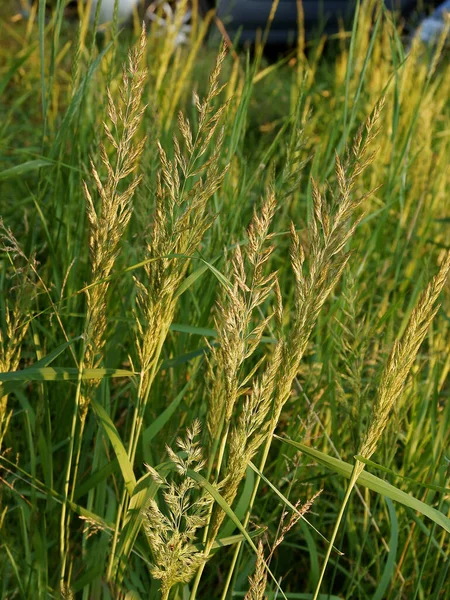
(167, 23)
(432, 27)
(125, 9)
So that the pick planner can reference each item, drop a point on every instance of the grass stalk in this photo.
(358, 467)
(392, 383)
(259, 310)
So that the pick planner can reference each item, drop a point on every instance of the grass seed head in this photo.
(21, 289)
(171, 534)
(402, 357)
(109, 221)
(258, 581)
(184, 187)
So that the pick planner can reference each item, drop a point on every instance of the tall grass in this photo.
(222, 297)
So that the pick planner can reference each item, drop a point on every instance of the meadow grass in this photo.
(224, 292)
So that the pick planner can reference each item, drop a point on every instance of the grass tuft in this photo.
(196, 268)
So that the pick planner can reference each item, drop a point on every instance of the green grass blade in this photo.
(152, 430)
(25, 168)
(202, 331)
(145, 489)
(373, 483)
(42, 52)
(350, 67)
(12, 385)
(428, 486)
(230, 513)
(192, 278)
(96, 477)
(389, 568)
(291, 596)
(77, 98)
(290, 505)
(184, 358)
(15, 569)
(243, 503)
(232, 540)
(113, 435)
(220, 277)
(38, 485)
(9, 75)
(62, 374)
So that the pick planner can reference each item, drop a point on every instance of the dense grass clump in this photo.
(224, 292)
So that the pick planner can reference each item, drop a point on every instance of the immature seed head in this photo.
(402, 358)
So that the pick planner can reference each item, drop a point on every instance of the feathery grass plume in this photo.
(351, 342)
(331, 229)
(21, 290)
(108, 223)
(66, 593)
(236, 336)
(258, 581)
(181, 218)
(169, 36)
(300, 512)
(107, 226)
(172, 62)
(184, 187)
(332, 225)
(248, 434)
(392, 383)
(171, 534)
(401, 359)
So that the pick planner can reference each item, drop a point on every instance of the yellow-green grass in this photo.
(172, 308)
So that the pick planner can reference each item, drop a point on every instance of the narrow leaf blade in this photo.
(373, 483)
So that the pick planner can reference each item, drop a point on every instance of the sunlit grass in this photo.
(202, 256)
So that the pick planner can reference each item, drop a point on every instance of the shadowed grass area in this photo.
(224, 291)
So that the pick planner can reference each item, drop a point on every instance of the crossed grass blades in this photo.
(264, 321)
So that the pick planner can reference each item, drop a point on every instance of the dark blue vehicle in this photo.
(245, 17)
